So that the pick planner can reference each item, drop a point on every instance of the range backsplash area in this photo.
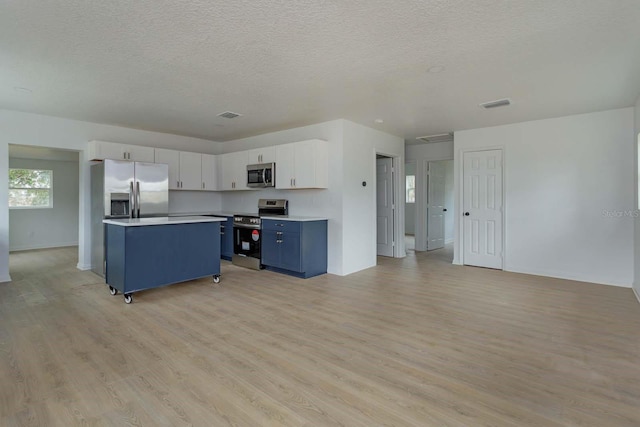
(301, 202)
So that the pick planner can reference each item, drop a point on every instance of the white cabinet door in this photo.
(302, 164)
(190, 171)
(305, 165)
(233, 171)
(225, 172)
(240, 162)
(209, 172)
(100, 150)
(137, 153)
(285, 165)
(262, 155)
(171, 158)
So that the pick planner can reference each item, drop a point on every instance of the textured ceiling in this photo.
(171, 66)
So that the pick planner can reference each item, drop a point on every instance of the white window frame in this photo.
(50, 189)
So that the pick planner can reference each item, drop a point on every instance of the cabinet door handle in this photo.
(177, 184)
(203, 185)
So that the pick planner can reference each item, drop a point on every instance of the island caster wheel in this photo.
(128, 298)
(216, 278)
(113, 291)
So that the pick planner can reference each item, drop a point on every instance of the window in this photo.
(30, 188)
(411, 189)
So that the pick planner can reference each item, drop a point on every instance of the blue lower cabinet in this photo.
(226, 239)
(270, 248)
(297, 248)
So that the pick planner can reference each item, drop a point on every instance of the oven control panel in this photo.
(247, 220)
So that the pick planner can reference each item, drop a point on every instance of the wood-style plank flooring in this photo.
(412, 342)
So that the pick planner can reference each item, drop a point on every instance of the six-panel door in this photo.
(482, 208)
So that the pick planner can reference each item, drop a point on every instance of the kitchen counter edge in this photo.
(137, 222)
(294, 218)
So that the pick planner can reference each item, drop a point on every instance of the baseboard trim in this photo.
(565, 276)
(43, 246)
(5, 279)
(635, 292)
(83, 267)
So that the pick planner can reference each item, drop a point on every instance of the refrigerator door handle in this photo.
(132, 203)
(138, 198)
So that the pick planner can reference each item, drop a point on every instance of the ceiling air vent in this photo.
(442, 137)
(229, 115)
(495, 104)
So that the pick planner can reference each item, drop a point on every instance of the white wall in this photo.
(421, 154)
(50, 227)
(45, 131)
(326, 203)
(636, 180)
(561, 177)
(359, 202)
(409, 208)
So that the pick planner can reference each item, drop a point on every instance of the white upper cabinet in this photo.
(100, 150)
(190, 171)
(302, 164)
(185, 168)
(137, 153)
(262, 155)
(209, 172)
(233, 171)
(171, 158)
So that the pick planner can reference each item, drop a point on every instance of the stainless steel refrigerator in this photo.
(122, 189)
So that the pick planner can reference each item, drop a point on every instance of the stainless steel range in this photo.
(247, 234)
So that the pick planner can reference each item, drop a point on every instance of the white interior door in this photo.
(384, 196)
(482, 208)
(435, 205)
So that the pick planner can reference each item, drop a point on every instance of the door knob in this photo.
(466, 214)
(444, 210)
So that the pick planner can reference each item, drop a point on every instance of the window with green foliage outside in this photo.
(30, 188)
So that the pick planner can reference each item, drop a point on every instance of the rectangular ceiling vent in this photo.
(495, 104)
(442, 137)
(229, 115)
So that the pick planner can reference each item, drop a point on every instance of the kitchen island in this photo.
(145, 253)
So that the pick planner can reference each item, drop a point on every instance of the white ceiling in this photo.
(171, 66)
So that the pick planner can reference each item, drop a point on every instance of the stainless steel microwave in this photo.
(261, 175)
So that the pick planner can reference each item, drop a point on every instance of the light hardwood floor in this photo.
(412, 342)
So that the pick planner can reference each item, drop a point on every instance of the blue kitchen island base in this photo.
(149, 256)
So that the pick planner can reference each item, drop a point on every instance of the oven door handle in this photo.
(253, 227)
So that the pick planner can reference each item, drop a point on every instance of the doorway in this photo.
(439, 217)
(385, 206)
(410, 206)
(43, 198)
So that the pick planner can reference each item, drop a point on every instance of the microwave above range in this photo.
(261, 175)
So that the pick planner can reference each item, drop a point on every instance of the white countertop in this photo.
(217, 213)
(161, 220)
(294, 218)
